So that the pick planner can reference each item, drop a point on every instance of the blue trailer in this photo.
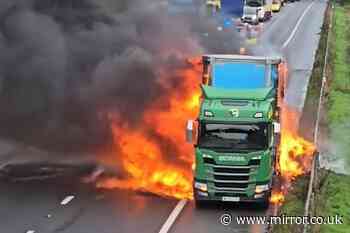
(232, 7)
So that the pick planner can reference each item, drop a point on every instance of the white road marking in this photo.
(297, 25)
(66, 200)
(172, 217)
(30, 231)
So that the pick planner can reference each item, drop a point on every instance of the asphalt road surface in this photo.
(34, 206)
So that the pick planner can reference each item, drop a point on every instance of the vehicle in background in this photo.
(276, 5)
(250, 15)
(213, 6)
(232, 8)
(236, 135)
(268, 10)
(260, 8)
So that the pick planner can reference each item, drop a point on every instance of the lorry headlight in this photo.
(201, 186)
(261, 188)
(208, 113)
(258, 115)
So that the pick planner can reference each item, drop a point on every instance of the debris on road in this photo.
(67, 199)
(99, 170)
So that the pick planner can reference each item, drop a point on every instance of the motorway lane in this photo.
(25, 205)
(26, 202)
(35, 205)
(301, 53)
(301, 49)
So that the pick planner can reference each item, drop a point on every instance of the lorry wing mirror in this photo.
(191, 131)
(276, 127)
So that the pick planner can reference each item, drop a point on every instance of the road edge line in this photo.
(173, 216)
(286, 43)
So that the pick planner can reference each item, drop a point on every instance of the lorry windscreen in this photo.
(233, 137)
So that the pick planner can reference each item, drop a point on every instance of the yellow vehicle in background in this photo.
(213, 6)
(276, 5)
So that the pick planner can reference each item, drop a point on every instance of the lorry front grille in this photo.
(231, 185)
(230, 177)
(225, 194)
(253, 162)
(234, 170)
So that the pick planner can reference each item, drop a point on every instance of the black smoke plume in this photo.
(66, 64)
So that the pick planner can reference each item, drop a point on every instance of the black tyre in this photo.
(265, 204)
(200, 204)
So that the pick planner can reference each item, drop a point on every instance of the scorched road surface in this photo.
(35, 206)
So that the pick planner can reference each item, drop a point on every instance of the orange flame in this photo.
(277, 197)
(147, 153)
(295, 152)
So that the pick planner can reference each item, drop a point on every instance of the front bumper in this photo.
(239, 197)
(250, 20)
(276, 9)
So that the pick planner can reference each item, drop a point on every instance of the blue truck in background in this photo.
(232, 7)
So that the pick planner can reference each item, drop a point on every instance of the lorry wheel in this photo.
(264, 204)
(200, 204)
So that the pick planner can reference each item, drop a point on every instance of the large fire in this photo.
(157, 159)
(296, 153)
(155, 155)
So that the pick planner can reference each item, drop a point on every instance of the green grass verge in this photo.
(333, 199)
(334, 196)
(338, 107)
(293, 205)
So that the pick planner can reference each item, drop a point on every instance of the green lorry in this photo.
(236, 135)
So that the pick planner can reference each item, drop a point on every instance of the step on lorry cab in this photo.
(236, 134)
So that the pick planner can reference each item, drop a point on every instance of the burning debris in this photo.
(295, 155)
(277, 197)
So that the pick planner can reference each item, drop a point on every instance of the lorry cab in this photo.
(235, 136)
